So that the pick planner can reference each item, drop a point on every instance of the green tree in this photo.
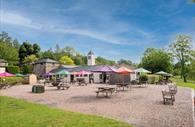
(30, 59)
(123, 61)
(181, 49)
(25, 49)
(101, 60)
(156, 60)
(36, 50)
(66, 60)
(48, 54)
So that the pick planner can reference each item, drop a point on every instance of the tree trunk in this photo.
(184, 78)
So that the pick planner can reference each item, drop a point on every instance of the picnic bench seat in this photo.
(105, 91)
(167, 96)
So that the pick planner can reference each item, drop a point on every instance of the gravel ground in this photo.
(142, 107)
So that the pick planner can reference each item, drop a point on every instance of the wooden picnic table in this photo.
(63, 85)
(106, 90)
(122, 85)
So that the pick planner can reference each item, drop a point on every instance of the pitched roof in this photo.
(45, 60)
(91, 53)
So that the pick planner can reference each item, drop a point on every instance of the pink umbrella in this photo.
(6, 74)
(83, 72)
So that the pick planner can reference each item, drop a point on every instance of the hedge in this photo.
(152, 79)
(11, 80)
(13, 69)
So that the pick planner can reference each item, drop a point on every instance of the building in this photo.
(90, 58)
(3, 65)
(44, 65)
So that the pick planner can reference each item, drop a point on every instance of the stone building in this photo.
(44, 65)
(3, 64)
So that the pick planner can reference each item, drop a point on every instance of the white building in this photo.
(90, 58)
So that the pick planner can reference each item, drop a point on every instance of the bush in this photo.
(152, 79)
(143, 78)
(11, 80)
(13, 69)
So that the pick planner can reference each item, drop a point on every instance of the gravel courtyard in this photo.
(142, 107)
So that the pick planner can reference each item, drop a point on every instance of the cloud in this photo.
(17, 19)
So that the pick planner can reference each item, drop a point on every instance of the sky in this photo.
(113, 29)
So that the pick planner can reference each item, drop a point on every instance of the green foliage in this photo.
(13, 69)
(123, 61)
(27, 69)
(156, 60)
(27, 49)
(11, 80)
(20, 113)
(7, 50)
(181, 49)
(101, 60)
(80, 59)
(191, 74)
(152, 79)
(180, 82)
(66, 60)
(143, 78)
(48, 54)
(30, 59)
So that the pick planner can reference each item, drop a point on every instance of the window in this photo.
(85, 75)
(89, 57)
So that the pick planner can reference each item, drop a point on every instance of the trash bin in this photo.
(38, 89)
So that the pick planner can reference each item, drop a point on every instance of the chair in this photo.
(167, 96)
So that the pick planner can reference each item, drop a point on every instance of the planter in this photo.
(38, 89)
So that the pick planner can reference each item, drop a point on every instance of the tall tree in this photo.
(123, 61)
(181, 48)
(66, 60)
(156, 60)
(36, 50)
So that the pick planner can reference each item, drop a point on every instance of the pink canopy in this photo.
(124, 70)
(83, 72)
(6, 74)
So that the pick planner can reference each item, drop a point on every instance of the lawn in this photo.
(19, 113)
(179, 82)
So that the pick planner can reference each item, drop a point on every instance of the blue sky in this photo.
(113, 29)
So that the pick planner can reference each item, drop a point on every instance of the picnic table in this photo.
(106, 90)
(63, 85)
(81, 82)
(122, 85)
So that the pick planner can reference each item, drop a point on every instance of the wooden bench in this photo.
(167, 96)
(63, 85)
(105, 91)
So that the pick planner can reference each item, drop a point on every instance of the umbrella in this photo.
(19, 75)
(6, 74)
(142, 70)
(163, 73)
(124, 70)
(63, 72)
(83, 72)
(48, 74)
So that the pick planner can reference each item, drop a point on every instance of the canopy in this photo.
(142, 70)
(163, 73)
(62, 72)
(83, 72)
(6, 74)
(104, 69)
(124, 70)
(48, 74)
(74, 73)
(19, 75)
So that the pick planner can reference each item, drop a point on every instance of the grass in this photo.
(19, 113)
(180, 82)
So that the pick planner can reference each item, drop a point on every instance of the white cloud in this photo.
(11, 18)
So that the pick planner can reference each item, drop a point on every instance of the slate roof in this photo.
(45, 60)
(91, 53)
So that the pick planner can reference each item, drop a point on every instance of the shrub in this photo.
(13, 69)
(11, 80)
(152, 79)
(143, 78)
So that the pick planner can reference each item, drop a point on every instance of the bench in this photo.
(106, 91)
(63, 85)
(167, 96)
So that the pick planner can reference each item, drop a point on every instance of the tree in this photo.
(66, 60)
(156, 60)
(36, 50)
(48, 54)
(80, 59)
(101, 60)
(123, 61)
(181, 49)
(7, 50)
(30, 59)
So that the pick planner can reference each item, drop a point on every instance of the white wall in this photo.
(133, 76)
(2, 69)
(96, 77)
(91, 61)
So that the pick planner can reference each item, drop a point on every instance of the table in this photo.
(123, 85)
(106, 90)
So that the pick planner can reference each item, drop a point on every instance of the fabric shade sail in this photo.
(124, 70)
(6, 74)
(142, 70)
(163, 73)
